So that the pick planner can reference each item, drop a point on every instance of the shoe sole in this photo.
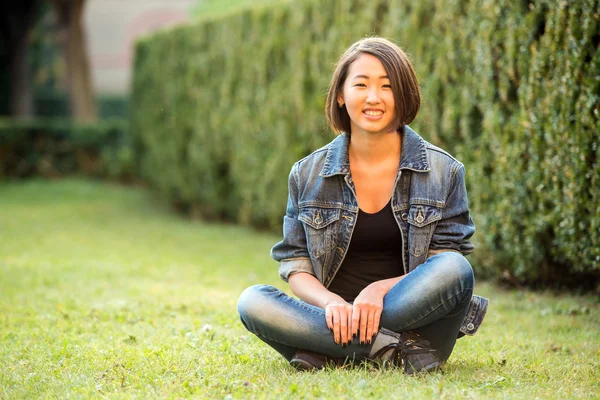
(302, 365)
(427, 369)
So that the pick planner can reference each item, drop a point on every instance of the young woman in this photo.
(375, 233)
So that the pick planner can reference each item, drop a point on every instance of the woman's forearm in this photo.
(310, 290)
(385, 285)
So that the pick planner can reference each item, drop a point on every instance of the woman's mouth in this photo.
(373, 114)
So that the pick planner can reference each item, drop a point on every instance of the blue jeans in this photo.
(432, 301)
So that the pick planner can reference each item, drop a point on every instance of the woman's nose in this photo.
(373, 96)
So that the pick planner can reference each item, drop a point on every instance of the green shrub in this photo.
(221, 109)
(112, 106)
(53, 104)
(55, 147)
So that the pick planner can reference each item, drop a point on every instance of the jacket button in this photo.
(420, 219)
(404, 216)
(470, 326)
(318, 219)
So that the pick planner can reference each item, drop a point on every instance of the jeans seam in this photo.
(298, 302)
(295, 302)
(304, 305)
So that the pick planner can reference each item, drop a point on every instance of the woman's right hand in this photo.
(338, 314)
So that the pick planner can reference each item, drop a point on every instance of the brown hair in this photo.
(405, 87)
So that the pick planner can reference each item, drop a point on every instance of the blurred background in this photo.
(145, 147)
(209, 103)
(74, 58)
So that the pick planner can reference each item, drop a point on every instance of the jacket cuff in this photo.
(292, 266)
(433, 252)
(475, 314)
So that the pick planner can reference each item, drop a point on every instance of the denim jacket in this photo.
(429, 203)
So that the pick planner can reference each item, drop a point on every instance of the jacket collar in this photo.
(413, 157)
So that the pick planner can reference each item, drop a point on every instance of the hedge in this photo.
(55, 104)
(221, 109)
(55, 147)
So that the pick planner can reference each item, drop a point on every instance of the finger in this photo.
(376, 321)
(350, 316)
(329, 318)
(343, 326)
(355, 320)
(364, 317)
(336, 326)
(370, 326)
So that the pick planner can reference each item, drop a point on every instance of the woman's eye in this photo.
(360, 85)
(387, 86)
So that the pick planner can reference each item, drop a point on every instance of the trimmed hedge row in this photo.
(56, 147)
(55, 104)
(221, 109)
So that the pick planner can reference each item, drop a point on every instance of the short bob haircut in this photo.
(405, 87)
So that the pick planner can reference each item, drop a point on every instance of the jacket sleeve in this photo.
(292, 252)
(456, 227)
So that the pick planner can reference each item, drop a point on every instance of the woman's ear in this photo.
(340, 100)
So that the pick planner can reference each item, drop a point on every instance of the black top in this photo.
(375, 253)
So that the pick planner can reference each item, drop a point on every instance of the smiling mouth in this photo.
(372, 113)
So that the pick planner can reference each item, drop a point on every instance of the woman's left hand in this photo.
(366, 311)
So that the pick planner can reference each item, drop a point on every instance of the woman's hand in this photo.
(366, 311)
(338, 314)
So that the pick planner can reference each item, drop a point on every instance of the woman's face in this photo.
(368, 96)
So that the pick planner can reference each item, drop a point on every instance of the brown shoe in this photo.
(305, 360)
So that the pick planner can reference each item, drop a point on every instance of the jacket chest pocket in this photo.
(422, 222)
(318, 226)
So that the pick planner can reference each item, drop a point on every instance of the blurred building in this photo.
(112, 27)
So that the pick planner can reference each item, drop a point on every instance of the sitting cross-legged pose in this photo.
(375, 233)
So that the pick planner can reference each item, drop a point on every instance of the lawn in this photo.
(105, 292)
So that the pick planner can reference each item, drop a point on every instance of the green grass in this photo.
(104, 292)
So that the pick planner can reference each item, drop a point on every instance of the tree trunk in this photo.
(17, 23)
(21, 98)
(73, 42)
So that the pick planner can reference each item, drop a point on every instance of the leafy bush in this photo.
(53, 104)
(55, 147)
(221, 109)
